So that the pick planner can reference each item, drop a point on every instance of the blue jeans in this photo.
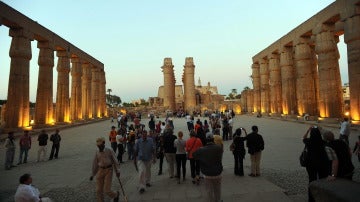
(22, 151)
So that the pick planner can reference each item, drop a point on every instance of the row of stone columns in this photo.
(87, 86)
(303, 76)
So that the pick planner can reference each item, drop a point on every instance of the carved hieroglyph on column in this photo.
(103, 93)
(62, 96)
(188, 80)
(44, 112)
(330, 90)
(351, 18)
(306, 78)
(275, 84)
(17, 106)
(76, 98)
(288, 81)
(169, 84)
(86, 90)
(264, 86)
(95, 92)
(256, 84)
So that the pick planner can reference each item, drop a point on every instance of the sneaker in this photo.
(116, 199)
(251, 175)
(148, 184)
(142, 190)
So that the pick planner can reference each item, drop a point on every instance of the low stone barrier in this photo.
(339, 190)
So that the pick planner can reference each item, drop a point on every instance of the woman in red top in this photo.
(192, 144)
(112, 138)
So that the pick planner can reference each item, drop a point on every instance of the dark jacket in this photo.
(254, 143)
(42, 138)
(210, 157)
(169, 143)
(239, 147)
(342, 151)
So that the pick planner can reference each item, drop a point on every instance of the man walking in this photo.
(255, 145)
(210, 157)
(170, 149)
(42, 138)
(55, 138)
(10, 151)
(144, 154)
(103, 164)
(25, 145)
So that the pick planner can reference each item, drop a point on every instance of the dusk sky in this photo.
(132, 38)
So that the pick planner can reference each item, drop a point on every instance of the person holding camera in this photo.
(238, 149)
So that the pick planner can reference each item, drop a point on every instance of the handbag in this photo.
(304, 157)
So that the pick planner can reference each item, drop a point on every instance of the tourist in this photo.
(112, 138)
(231, 125)
(26, 192)
(103, 164)
(193, 144)
(42, 138)
(225, 128)
(25, 145)
(210, 158)
(238, 150)
(144, 156)
(169, 149)
(160, 152)
(120, 146)
(180, 145)
(158, 128)
(357, 148)
(345, 130)
(343, 153)
(206, 126)
(318, 156)
(130, 144)
(217, 138)
(255, 145)
(56, 139)
(151, 124)
(10, 151)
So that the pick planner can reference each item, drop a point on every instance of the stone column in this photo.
(250, 101)
(351, 18)
(330, 89)
(275, 84)
(188, 80)
(62, 96)
(264, 86)
(256, 84)
(95, 92)
(76, 90)
(17, 106)
(288, 81)
(169, 84)
(44, 112)
(306, 77)
(103, 93)
(86, 91)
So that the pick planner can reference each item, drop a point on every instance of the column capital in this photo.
(75, 59)
(21, 32)
(167, 63)
(189, 62)
(255, 66)
(273, 56)
(45, 44)
(302, 40)
(62, 53)
(321, 27)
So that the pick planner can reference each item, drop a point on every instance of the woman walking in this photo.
(180, 145)
(192, 144)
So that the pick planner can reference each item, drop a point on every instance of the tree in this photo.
(109, 97)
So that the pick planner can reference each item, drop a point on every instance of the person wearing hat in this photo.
(10, 151)
(210, 158)
(103, 164)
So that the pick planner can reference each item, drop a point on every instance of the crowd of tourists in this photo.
(148, 144)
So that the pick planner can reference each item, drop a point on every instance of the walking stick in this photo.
(122, 189)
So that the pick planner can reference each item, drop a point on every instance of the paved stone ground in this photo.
(67, 178)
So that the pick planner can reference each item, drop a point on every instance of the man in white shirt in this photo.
(345, 130)
(28, 193)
